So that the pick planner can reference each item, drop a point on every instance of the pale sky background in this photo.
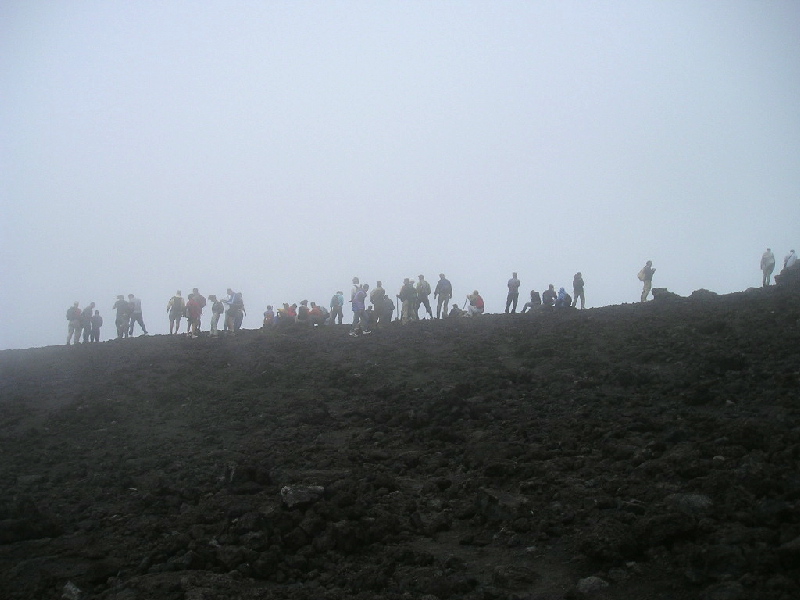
(281, 148)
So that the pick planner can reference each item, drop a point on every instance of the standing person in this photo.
(513, 293)
(790, 259)
(337, 302)
(646, 276)
(359, 311)
(476, 305)
(122, 319)
(577, 288)
(175, 310)
(406, 297)
(97, 323)
(74, 322)
(376, 295)
(236, 311)
(444, 291)
(423, 291)
(353, 292)
(217, 308)
(193, 313)
(86, 322)
(136, 314)
(767, 266)
(386, 310)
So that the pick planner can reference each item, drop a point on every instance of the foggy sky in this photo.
(281, 148)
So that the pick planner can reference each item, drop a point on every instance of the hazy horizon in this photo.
(281, 149)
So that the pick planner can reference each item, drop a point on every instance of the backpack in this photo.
(425, 288)
(641, 275)
(73, 313)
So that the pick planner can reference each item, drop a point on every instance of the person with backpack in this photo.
(123, 316)
(86, 322)
(74, 323)
(646, 277)
(563, 299)
(423, 291)
(444, 291)
(577, 288)
(194, 311)
(513, 293)
(376, 296)
(536, 301)
(407, 297)
(476, 305)
(360, 321)
(236, 311)
(337, 302)
(97, 323)
(386, 311)
(176, 309)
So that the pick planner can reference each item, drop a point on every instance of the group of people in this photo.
(768, 264)
(412, 296)
(88, 320)
(231, 306)
(549, 298)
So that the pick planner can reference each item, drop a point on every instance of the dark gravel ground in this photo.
(628, 452)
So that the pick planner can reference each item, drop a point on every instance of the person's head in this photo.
(303, 302)
(475, 293)
(365, 287)
(579, 274)
(178, 293)
(91, 305)
(119, 297)
(340, 292)
(76, 302)
(313, 304)
(195, 291)
(561, 290)
(379, 284)
(269, 306)
(421, 277)
(230, 291)
(533, 293)
(441, 275)
(649, 263)
(355, 280)
(130, 296)
(455, 305)
(769, 250)
(514, 274)
(294, 305)
(551, 287)
(212, 297)
(97, 313)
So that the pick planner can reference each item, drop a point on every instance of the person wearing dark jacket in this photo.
(577, 288)
(549, 296)
(97, 323)
(443, 291)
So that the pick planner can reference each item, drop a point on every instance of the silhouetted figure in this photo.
(646, 277)
(513, 293)
(444, 291)
(577, 289)
(767, 267)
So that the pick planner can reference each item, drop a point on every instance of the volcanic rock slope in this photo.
(635, 451)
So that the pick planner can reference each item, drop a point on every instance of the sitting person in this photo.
(455, 311)
(315, 315)
(476, 305)
(536, 301)
(563, 300)
(549, 296)
(269, 317)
